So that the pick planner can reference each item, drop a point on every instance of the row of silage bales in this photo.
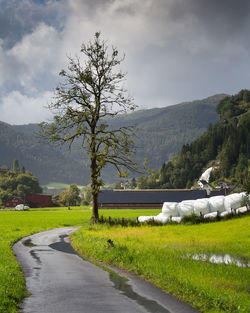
(206, 207)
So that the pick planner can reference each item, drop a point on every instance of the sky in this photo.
(176, 50)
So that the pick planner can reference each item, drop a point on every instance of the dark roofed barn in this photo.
(145, 199)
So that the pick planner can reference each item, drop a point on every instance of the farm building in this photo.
(40, 201)
(33, 201)
(145, 199)
(12, 203)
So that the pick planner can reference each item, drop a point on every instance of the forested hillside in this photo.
(162, 132)
(226, 145)
(160, 135)
(43, 160)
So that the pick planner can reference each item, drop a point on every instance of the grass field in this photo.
(55, 185)
(160, 255)
(15, 225)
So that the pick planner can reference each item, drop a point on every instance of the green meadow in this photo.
(159, 254)
(55, 185)
(163, 255)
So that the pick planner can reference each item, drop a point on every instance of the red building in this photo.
(39, 201)
(33, 201)
(12, 203)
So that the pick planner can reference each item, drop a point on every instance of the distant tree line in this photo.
(17, 182)
(73, 197)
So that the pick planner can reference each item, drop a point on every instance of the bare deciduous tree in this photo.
(90, 95)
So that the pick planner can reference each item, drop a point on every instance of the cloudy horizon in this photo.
(176, 50)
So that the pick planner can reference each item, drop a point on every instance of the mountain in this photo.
(162, 132)
(225, 145)
(44, 161)
(160, 135)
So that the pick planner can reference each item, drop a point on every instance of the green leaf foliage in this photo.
(70, 196)
(17, 183)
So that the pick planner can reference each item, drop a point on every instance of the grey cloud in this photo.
(176, 50)
(19, 17)
(223, 19)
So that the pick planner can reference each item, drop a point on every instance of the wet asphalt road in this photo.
(62, 282)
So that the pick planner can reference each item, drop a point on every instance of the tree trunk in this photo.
(95, 215)
(94, 190)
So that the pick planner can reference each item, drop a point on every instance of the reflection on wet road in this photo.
(63, 245)
(121, 284)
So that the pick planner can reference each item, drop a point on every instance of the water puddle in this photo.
(35, 256)
(28, 243)
(121, 284)
(62, 245)
(220, 259)
(36, 274)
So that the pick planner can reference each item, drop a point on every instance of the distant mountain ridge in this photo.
(161, 132)
(225, 146)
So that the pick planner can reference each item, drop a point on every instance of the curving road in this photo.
(62, 282)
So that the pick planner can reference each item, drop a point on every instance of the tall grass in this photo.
(160, 254)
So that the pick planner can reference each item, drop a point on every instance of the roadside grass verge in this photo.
(16, 225)
(161, 255)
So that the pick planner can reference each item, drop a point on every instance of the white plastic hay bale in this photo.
(201, 206)
(242, 209)
(170, 209)
(143, 219)
(213, 214)
(186, 207)
(217, 204)
(227, 204)
(176, 219)
(19, 207)
(161, 218)
(234, 200)
(224, 213)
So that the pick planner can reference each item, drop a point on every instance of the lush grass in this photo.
(159, 254)
(55, 185)
(65, 208)
(15, 225)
